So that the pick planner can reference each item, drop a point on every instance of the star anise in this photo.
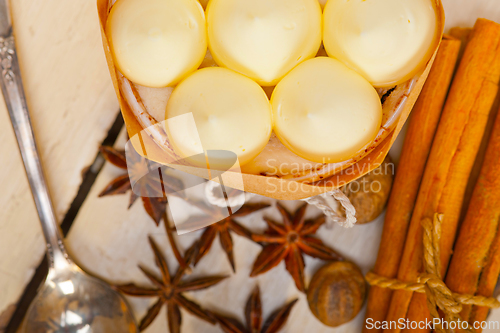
(224, 228)
(155, 203)
(288, 241)
(170, 230)
(253, 316)
(169, 289)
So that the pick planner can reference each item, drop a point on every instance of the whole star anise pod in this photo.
(224, 228)
(155, 203)
(253, 316)
(288, 241)
(169, 291)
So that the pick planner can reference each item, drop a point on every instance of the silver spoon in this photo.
(69, 300)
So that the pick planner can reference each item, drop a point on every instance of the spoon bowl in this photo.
(73, 301)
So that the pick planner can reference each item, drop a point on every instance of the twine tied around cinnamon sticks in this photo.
(431, 282)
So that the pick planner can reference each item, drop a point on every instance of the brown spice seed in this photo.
(369, 194)
(336, 293)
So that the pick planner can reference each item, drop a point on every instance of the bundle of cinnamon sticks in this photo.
(448, 166)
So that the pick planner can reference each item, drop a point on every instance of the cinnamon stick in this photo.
(450, 162)
(475, 265)
(421, 130)
(488, 281)
(463, 35)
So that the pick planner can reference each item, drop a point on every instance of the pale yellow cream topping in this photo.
(156, 43)
(325, 112)
(263, 39)
(231, 113)
(386, 41)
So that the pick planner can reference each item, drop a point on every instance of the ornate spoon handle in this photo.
(12, 88)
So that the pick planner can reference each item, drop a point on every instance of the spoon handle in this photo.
(12, 88)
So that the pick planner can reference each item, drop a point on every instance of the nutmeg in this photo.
(336, 293)
(369, 194)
